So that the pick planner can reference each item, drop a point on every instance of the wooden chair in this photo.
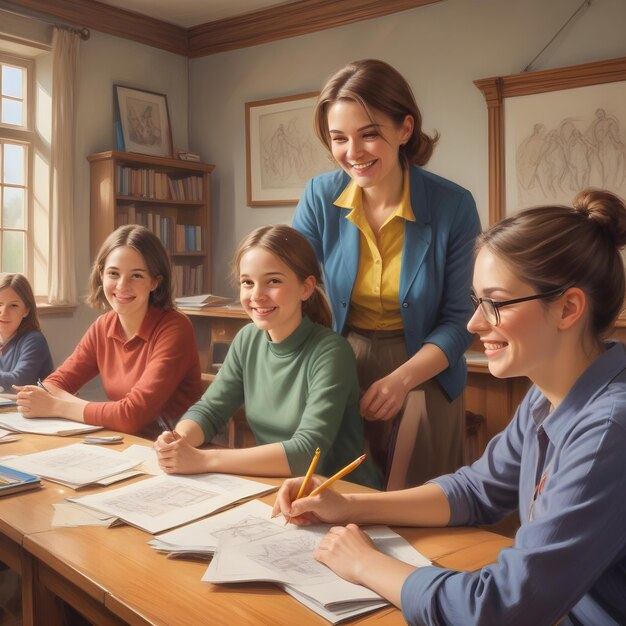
(475, 440)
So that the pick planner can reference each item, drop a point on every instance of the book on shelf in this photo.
(13, 481)
(202, 301)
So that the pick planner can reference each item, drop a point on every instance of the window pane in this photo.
(12, 252)
(13, 208)
(14, 164)
(12, 112)
(12, 81)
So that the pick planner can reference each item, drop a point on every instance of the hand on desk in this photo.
(329, 506)
(33, 401)
(177, 456)
(384, 398)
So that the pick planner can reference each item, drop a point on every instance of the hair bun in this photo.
(606, 210)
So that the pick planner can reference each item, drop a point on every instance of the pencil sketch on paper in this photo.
(250, 528)
(290, 153)
(157, 500)
(144, 126)
(290, 553)
(555, 162)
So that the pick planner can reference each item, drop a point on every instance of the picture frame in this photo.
(142, 121)
(572, 113)
(565, 100)
(282, 149)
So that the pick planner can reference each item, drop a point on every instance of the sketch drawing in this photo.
(288, 154)
(250, 528)
(156, 500)
(144, 127)
(554, 162)
(290, 553)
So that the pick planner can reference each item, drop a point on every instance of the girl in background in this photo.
(24, 353)
(295, 376)
(548, 287)
(143, 349)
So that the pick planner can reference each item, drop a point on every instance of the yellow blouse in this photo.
(375, 297)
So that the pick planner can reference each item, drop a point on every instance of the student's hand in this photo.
(176, 456)
(329, 506)
(345, 550)
(33, 401)
(384, 399)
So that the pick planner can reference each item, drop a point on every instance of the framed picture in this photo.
(142, 122)
(282, 149)
(555, 132)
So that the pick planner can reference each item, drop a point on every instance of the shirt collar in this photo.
(592, 382)
(352, 198)
(145, 330)
(294, 342)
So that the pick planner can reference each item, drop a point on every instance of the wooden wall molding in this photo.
(497, 88)
(279, 22)
(288, 20)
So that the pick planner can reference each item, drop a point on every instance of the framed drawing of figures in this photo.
(555, 132)
(282, 150)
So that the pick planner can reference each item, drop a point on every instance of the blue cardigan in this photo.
(437, 262)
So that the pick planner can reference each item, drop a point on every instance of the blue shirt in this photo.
(569, 556)
(23, 360)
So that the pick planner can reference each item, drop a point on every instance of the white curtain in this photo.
(61, 274)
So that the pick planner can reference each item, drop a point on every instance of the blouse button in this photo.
(405, 305)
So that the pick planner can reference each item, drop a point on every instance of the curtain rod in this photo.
(83, 32)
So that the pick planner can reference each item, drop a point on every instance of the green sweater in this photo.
(302, 392)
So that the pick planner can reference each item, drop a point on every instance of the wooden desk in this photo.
(113, 577)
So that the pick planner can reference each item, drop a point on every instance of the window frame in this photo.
(25, 136)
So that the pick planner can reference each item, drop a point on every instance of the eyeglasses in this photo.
(490, 309)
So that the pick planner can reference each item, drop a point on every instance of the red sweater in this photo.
(157, 372)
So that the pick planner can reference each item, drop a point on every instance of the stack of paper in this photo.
(166, 501)
(202, 301)
(43, 425)
(76, 465)
(250, 546)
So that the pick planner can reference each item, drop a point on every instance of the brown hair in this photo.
(376, 86)
(19, 283)
(551, 247)
(295, 251)
(154, 254)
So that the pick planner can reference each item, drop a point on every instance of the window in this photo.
(16, 150)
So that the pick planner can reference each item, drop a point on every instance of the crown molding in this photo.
(288, 20)
(278, 22)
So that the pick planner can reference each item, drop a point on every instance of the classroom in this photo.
(492, 78)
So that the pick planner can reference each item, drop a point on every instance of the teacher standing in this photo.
(396, 244)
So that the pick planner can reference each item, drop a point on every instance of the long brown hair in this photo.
(551, 247)
(376, 86)
(154, 254)
(295, 251)
(19, 283)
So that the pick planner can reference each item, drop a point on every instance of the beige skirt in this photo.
(438, 445)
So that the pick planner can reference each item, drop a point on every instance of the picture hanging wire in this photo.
(558, 32)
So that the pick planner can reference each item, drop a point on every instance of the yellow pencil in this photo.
(307, 478)
(340, 474)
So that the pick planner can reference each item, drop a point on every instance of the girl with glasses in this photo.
(548, 287)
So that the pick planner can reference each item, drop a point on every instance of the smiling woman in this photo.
(143, 349)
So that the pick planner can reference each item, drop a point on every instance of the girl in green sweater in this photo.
(294, 375)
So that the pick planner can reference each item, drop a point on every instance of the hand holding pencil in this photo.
(328, 506)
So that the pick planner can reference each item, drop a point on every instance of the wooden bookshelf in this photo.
(169, 196)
